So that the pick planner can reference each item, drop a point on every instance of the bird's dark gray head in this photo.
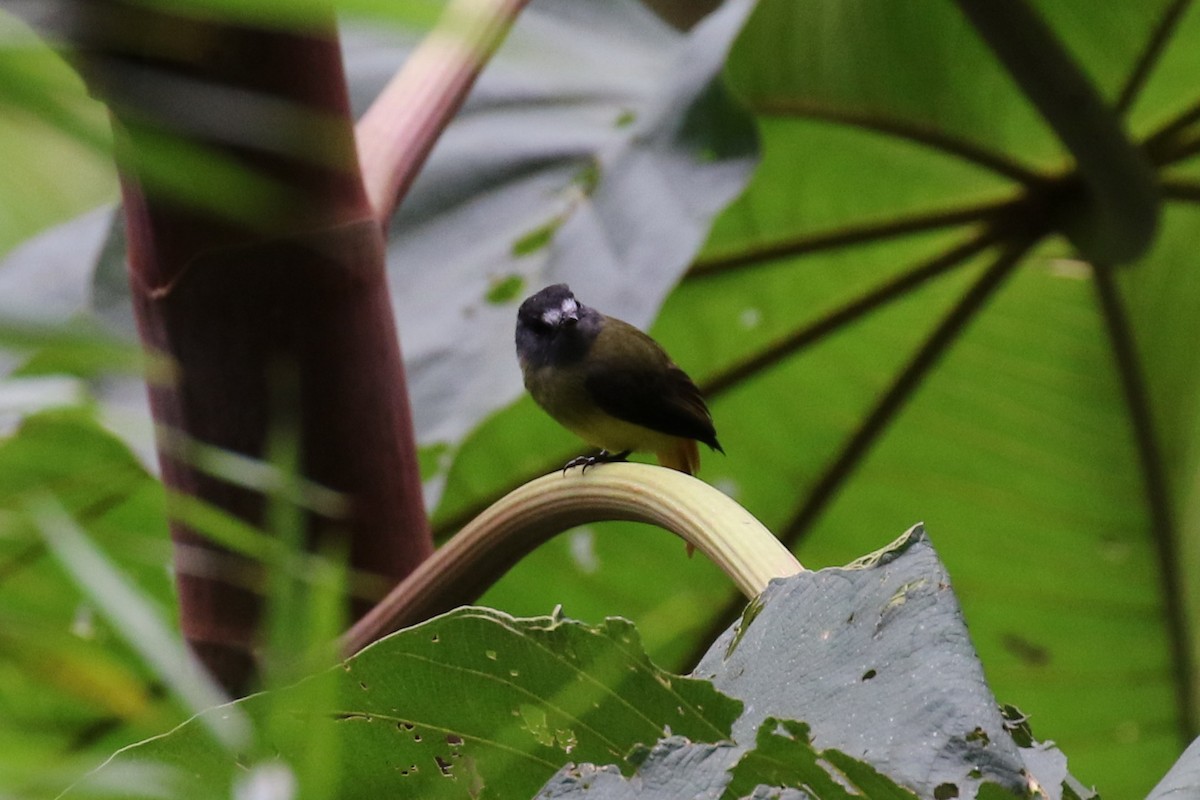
(554, 327)
(551, 307)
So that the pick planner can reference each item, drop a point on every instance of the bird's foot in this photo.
(603, 457)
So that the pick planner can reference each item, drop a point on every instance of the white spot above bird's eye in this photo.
(567, 309)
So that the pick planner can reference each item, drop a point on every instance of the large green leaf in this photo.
(596, 118)
(1044, 424)
(871, 361)
(875, 661)
(595, 150)
(598, 143)
(875, 658)
(473, 703)
(46, 122)
(70, 687)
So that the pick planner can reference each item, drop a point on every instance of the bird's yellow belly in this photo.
(566, 399)
(616, 435)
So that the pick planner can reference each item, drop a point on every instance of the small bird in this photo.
(609, 383)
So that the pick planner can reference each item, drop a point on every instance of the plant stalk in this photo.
(400, 128)
(513, 526)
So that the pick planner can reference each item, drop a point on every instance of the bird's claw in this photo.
(603, 457)
(584, 461)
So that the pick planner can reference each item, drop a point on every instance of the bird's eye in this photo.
(538, 324)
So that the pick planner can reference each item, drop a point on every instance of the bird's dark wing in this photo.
(647, 389)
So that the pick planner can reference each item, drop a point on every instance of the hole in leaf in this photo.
(751, 612)
(945, 791)
(533, 720)
(978, 735)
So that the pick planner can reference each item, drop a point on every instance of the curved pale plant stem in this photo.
(401, 126)
(525, 518)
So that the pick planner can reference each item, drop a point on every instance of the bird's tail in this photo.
(684, 456)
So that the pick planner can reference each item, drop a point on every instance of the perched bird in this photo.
(609, 383)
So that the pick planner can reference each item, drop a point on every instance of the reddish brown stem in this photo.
(279, 322)
(400, 128)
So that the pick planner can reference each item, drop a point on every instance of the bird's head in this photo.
(553, 325)
(551, 308)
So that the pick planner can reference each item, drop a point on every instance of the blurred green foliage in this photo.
(1017, 451)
